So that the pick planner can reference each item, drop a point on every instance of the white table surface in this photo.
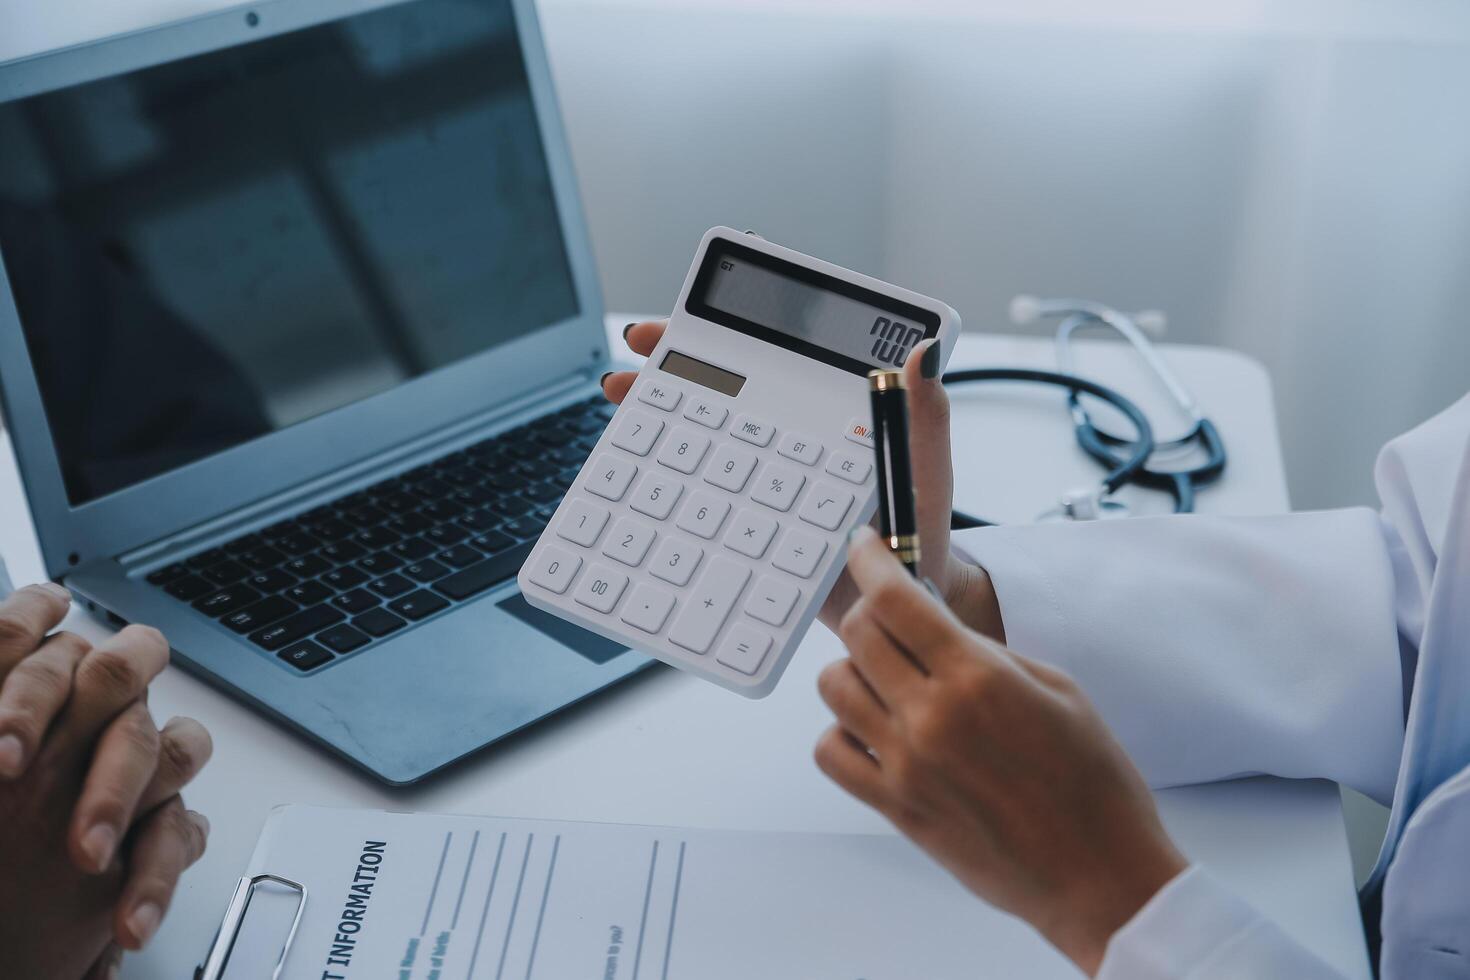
(668, 749)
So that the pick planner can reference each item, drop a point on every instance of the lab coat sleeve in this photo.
(1218, 647)
(1194, 929)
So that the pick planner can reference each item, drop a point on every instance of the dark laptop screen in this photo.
(210, 250)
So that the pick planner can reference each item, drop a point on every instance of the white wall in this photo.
(1288, 177)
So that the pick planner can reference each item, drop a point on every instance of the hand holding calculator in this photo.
(711, 520)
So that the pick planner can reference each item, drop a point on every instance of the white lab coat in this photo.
(1219, 647)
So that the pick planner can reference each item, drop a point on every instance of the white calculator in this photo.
(711, 520)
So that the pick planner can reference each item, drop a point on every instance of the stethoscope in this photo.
(1126, 459)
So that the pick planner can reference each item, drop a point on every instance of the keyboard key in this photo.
(628, 541)
(479, 521)
(425, 571)
(167, 574)
(308, 593)
(553, 571)
(279, 530)
(853, 469)
(799, 552)
(344, 578)
(752, 430)
(647, 608)
(380, 563)
(332, 529)
(379, 622)
(356, 601)
(343, 638)
(226, 600)
(709, 603)
(309, 566)
(582, 521)
(297, 544)
(460, 556)
(610, 477)
(365, 515)
(375, 538)
(390, 585)
(262, 613)
(637, 432)
(446, 535)
(417, 605)
(703, 514)
(601, 588)
(675, 561)
(684, 450)
(262, 558)
(341, 552)
(777, 486)
(206, 558)
(826, 506)
(414, 549)
(730, 467)
(659, 394)
(493, 542)
(492, 571)
(656, 495)
(803, 449)
(750, 533)
(512, 505)
(525, 527)
(189, 588)
(296, 627)
(772, 599)
(744, 649)
(245, 542)
(272, 581)
(409, 524)
(305, 655)
(706, 412)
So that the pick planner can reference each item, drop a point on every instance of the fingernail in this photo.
(12, 756)
(98, 845)
(603, 379)
(144, 921)
(627, 328)
(929, 363)
(57, 591)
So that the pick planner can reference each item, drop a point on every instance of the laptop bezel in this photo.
(172, 502)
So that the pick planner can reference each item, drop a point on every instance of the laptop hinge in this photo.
(365, 472)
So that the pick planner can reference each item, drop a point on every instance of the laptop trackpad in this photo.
(595, 648)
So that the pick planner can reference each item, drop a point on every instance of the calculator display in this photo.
(807, 311)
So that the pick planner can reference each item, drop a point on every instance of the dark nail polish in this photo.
(929, 363)
(603, 380)
(627, 328)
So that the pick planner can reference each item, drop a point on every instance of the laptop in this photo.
(300, 341)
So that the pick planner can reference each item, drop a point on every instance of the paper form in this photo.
(425, 897)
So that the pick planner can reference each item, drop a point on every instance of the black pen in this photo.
(897, 521)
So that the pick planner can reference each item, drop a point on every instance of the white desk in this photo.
(666, 749)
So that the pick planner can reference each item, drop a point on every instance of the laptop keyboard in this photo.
(339, 577)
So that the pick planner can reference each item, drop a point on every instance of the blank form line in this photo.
(545, 893)
(674, 910)
(514, 904)
(435, 890)
(485, 912)
(643, 922)
(465, 880)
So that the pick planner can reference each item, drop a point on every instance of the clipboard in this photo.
(218, 957)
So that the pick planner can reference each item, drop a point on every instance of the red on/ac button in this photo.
(860, 432)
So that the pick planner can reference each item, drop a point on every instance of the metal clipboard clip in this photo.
(229, 927)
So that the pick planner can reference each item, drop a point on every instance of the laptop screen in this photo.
(207, 251)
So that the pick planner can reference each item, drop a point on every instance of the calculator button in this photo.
(853, 469)
(675, 561)
(637, 432)
(744, 649)
(610, 477)
(752, 430)
(826, 506)
(730, 467)
(772, 600)
(706, 412)
(656, 495)
(581, 522)
(799, 552)
(750, 533)
(601, 588)
(554, 569)
(628, 541)
(860, 431)
(685, 450)
(803, 449)
(659, 394)
(647, 608)
(703, 514)
(709, 603)
(777, 487)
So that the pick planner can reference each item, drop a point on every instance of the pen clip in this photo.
(218, 958)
